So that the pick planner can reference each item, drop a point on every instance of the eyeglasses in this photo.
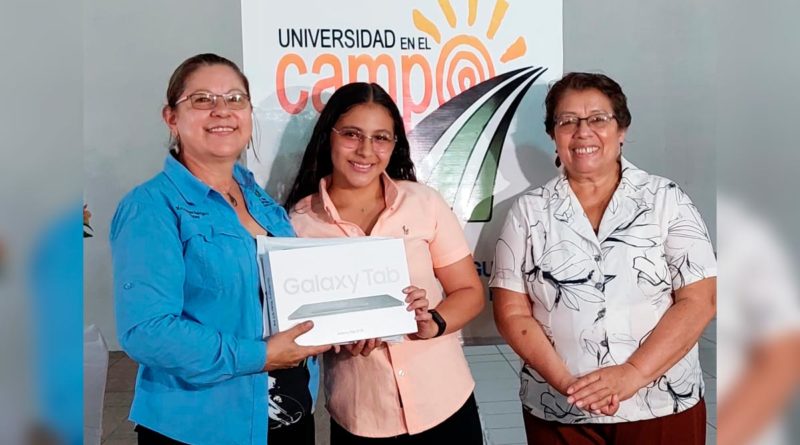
(208, 101)
(568, 124)
(352, 138)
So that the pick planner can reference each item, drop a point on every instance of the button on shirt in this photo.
(598, 296)
(187, 306)
(412, 386)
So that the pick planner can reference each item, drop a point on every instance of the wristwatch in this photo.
(437, 318)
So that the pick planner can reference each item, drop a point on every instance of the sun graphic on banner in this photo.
(464, 59)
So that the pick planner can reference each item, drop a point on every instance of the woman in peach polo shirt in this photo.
(357, 179)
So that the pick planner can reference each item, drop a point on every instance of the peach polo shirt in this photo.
(412, 386)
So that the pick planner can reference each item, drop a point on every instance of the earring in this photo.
(558, 162)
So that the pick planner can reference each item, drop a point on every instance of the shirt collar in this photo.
(243, 176)
(391, 193)
(633, 178)
(194, 190)
(620, 208)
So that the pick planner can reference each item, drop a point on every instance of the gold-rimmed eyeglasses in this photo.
(352, 138)
(570, 123)
(208, 101)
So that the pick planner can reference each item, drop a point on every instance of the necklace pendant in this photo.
(232, 199)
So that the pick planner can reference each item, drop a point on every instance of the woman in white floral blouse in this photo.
(604, 279)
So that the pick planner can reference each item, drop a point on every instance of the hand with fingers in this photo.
(599, 389)
(417, 300)
(283, 352)
(607, 406)
(362, 347)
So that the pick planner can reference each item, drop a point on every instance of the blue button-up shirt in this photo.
(187, 307)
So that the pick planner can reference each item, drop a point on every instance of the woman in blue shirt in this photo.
(186, 280)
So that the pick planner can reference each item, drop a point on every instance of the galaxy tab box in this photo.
(351, 288)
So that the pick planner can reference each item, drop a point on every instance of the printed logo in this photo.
(457, 147)
(453, 70)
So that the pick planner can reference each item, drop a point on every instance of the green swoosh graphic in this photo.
(481, 198)
(428, 131)
(448, 175)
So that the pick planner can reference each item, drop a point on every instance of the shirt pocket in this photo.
(565, 276)
(214, 257)
(219, 290)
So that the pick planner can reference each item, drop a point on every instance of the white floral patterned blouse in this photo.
(598, 296)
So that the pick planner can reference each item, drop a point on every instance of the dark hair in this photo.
(177, 82)
(317, 162)
(586, 81)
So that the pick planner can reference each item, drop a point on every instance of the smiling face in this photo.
(587, 151)
(218, 134)
(359, 164)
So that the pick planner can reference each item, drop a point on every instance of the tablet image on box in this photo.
(351, 288)
(343, 306)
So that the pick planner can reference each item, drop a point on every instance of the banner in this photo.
(468, 76)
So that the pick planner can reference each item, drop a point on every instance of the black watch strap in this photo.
(437, 318)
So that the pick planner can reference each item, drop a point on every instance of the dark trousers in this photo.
(463, 428)
(300, 433)
(147, 436)
(686, 428)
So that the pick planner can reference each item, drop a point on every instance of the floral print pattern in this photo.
(599, 295)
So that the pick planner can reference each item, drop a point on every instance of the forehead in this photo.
(214, 78)
(367, 116)
(583, 101)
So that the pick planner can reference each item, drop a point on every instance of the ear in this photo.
(621, 138)
(170, 118)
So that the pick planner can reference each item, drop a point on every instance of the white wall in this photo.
(662, 54)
